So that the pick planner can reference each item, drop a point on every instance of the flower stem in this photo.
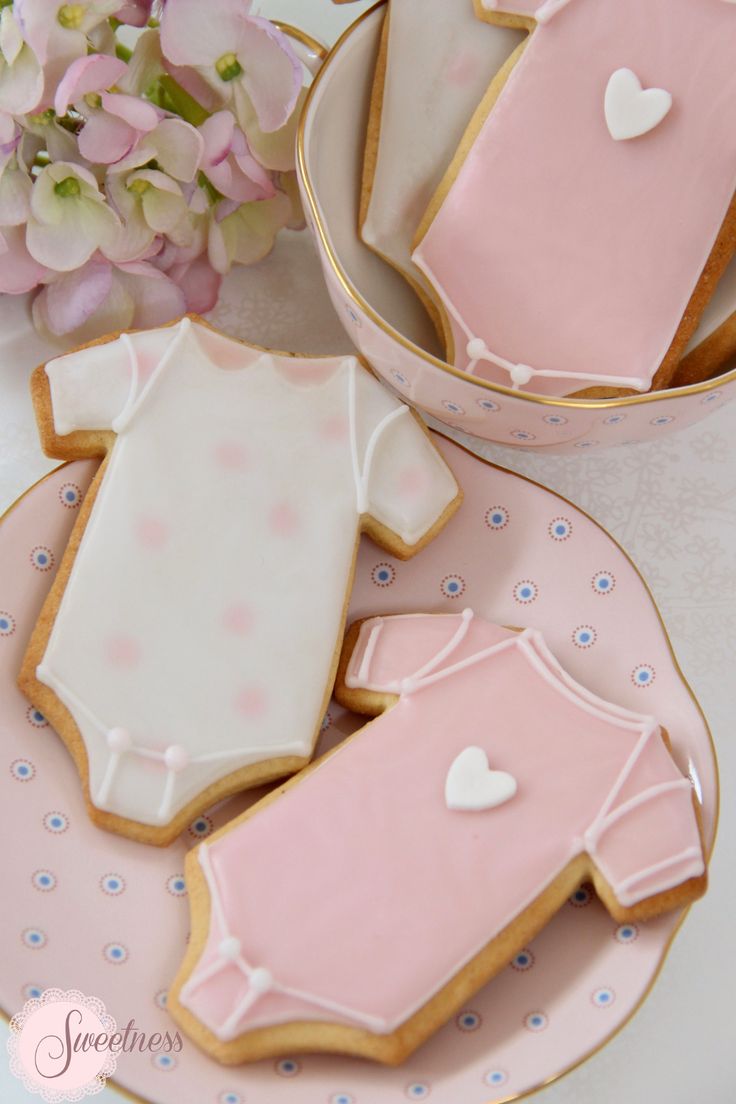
(181, 102)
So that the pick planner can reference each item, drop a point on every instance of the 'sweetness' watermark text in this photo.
(64, 1045)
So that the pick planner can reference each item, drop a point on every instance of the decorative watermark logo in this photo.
(59, 1045)
(63, 1046)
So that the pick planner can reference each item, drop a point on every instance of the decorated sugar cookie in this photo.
(427, 849)
(589, 211)
(435, 64)
(255, 471)
(714, 343)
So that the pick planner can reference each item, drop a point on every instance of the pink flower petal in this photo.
(197, 87)
(19, 271)
(217, 132)
(190, 36)
(276, 150)
(272, 73)
(15, 197)
(136, 112)
(74, 298)
(134, 12)
(199, 282)
(105, 139)
(93, 73)
(157, 299)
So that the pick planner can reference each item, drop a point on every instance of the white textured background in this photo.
(673, 507)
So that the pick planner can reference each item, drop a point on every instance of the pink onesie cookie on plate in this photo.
(424, 852)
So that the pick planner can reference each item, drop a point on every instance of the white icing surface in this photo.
(173, 687)
(631, 110)
(440, 61)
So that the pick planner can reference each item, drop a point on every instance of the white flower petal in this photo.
(163, 211)
(179, 148)
(11, 38)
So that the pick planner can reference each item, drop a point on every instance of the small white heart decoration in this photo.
(472, 787)
(632, 110)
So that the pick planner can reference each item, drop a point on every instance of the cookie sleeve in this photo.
(91, 387)
(649, 842)
(406, 484)
(392, 652)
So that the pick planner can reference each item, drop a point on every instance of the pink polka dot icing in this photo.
(283, 520)
(238, 618)
(123, 651)
(411, 481)
(151, 532)
(335, 429)
(231, 456)
(251, 702)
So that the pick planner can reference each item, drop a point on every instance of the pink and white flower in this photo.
(59, 33)
(246, 234)
(244, 58)
(69, 218)
(228, 162)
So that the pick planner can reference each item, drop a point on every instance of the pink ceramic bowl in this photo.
(391, 329)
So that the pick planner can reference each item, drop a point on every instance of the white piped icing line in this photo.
(607, 817)
(175, 758)
(260, 979)
(521, 374)
(412, 682)
(362, 472)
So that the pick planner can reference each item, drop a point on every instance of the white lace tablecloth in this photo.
(672, 505)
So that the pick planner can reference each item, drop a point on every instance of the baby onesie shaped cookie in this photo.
(360, 905)
(434, 67)
(589, 212)
(188, 646)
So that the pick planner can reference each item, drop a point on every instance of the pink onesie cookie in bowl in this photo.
(427, 850)
(613, 318)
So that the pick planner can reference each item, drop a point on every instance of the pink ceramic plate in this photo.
(84, 909)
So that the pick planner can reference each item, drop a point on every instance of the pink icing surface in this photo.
(429, 886)
(600, 243)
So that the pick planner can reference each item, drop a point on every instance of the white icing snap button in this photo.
(176, 758)
(261, 980)
(119, 740)
(521, 374)
(230, 948)
(476, 348)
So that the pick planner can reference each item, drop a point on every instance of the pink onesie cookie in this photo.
(589, 212)
(428, 848)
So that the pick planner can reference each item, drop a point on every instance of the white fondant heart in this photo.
(632, 110)
(470, 785)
